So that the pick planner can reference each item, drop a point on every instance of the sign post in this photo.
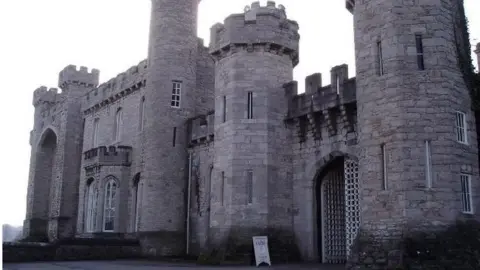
(260, 246)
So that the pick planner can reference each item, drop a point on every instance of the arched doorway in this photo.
(337, 209)
(44, 168)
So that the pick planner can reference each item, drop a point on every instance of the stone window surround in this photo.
(117, 128)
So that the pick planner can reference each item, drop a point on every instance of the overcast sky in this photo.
(40, 37)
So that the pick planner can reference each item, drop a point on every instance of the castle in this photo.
(198, 147)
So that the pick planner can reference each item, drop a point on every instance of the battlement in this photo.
(316, 97)
(81, 76)
(271, 8)
(43, 94)
(264, 28)
(108, 156)
(122, 84)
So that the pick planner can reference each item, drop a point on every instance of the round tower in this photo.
(418, 165)
(255, 53)
(169, 102)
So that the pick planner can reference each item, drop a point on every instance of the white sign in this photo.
(260, 246)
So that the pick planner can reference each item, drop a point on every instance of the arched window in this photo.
(141, 121)
(91, 206)
(109, 205)
(118, 125)
(137, 193)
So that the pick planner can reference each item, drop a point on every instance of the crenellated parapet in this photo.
(122, 85)
(70, 75)
(202, 128)
(45, 95)
(323, 106)
(108, 156)
(259, 28)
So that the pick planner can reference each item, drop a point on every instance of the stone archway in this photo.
(337, 206)
(43, 172)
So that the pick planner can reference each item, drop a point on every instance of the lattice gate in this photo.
(340, 212)
(333, 219)
(352, 202)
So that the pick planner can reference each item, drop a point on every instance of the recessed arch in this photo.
(91, 204)
(44, 171)
(110, 191)
(335, 209)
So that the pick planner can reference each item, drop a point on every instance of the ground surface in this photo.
(143, 265)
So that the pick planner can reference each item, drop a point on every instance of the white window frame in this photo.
(466, 191)
(461, 131)
(118, 125)
(109, 205)
(91, 208)
(176, 94)
(95, 132)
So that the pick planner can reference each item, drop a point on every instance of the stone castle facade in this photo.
(198, 147)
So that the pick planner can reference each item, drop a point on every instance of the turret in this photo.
(71, 79)
(255, 53)
(169, 103)
(418, 163)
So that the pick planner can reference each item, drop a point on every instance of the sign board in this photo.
(260, 247)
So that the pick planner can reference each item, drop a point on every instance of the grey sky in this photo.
(39, 38)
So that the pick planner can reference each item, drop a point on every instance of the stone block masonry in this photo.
(197, 149)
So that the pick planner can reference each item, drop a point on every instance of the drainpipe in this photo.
(188, 201)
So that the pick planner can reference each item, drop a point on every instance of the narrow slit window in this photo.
(428, 164)
(250, 105)
(461, 127)
(176, 93)
(419, 45)
(141, 122)
(222, 188)
(95, 132)
(224, 109)
(249, 187)
(338, 84)
(467, 202)
(380, 58)
(174, 136)
(384, 167)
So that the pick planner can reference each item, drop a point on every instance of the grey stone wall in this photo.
(200, 196)
(172, 56)
(127, 97)
(322, 126)
(406, 106)
(254, 52)
(55, 160)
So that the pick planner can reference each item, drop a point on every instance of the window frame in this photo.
(175, 101)
(109, 203)
(96, 123)
(91, 207)
(249, 105)
(461, 127)
(117, 132)
(466, 195)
